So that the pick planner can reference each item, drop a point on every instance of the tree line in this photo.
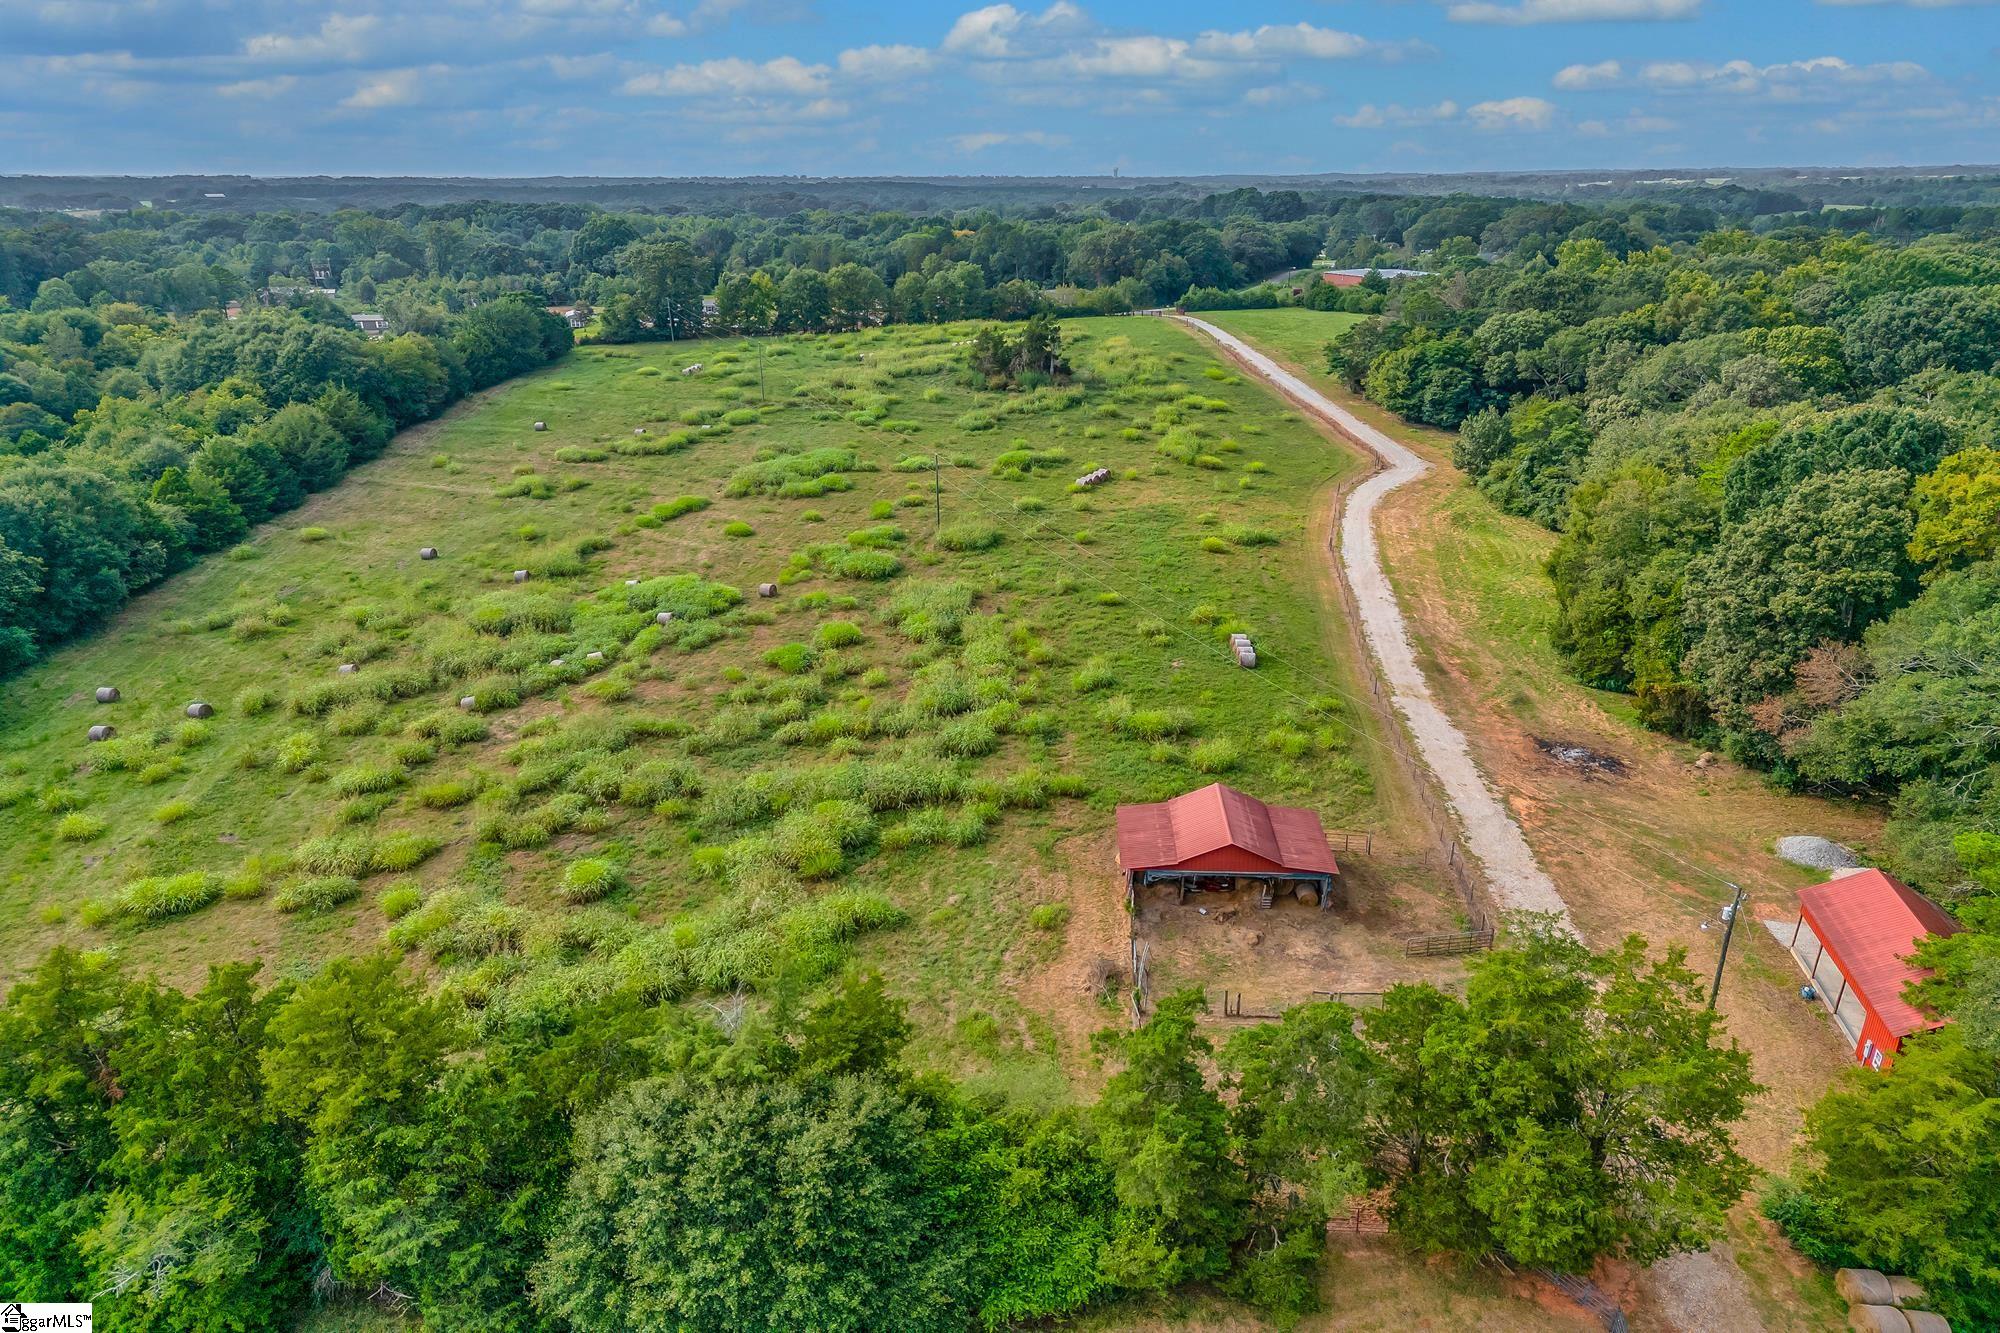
(1773, 463)
(224, 1159)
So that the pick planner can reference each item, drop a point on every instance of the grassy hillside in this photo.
(1293, 334)
(902, 737)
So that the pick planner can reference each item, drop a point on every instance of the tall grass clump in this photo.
(159, 897)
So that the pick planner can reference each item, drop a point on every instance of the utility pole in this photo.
(762, 397)
(1729, 915)
(937, 494)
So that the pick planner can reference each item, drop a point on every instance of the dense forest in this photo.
(227, 1158)
(1774, 465)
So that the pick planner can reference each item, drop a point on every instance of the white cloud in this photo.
(1576, 78)
(1789, 80)
(1913, 4)
(884, 62)
(1572, 11)
(980, 142)
(1512, 113)
(396, 87)
(732, 77)
(277, 86)
(1277, 42)
(1368, 116)
(989, 33)
(342, 37)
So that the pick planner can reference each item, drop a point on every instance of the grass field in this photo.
(1292, 334)
(882, 756)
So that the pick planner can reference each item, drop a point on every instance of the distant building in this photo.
(322, 272)
(1351, 277)
(370, 323)
(576, 316)
(215, 194)
(284, 293)
(234, 310)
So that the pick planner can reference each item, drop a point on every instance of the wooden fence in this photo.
(1445, 943)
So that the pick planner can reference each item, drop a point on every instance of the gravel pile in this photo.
(1817, 853)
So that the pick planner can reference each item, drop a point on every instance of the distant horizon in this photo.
(698, 89)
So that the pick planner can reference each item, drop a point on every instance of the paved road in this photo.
(1517, 878)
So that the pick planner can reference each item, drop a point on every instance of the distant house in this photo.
(1853, 938)
(1351, 277)
(322, 272)
(370, 323)
(576, 316)
(234, 310)
(214, 194)
(285, 293)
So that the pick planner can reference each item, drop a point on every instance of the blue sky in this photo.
(826, 87)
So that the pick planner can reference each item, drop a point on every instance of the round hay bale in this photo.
(541, 425)
(1908, 1293)
(767, 590)
(107, 694)
(593, 657)
(1877, 1319)
(638, 430)
(102, 732)
(427, 553)
(346, 669)
(631, 583)
(1863, 1286)
(199, 709)
(1306, 893)
(1923, 1321)
(468, 702)
(557, 661)
(1816, 853)
(664, 618)
(520, 576)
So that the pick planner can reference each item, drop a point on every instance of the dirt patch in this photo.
(1581, 758)
(1096, 942)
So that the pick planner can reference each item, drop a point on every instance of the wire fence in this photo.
(1474, 894)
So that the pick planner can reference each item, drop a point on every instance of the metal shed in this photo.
(1853, 937)
(1217, 832)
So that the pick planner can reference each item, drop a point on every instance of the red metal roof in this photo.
(1220, 829)
(1870, 922)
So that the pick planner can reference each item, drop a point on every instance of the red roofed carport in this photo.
(1218, 832)
(1853, 937)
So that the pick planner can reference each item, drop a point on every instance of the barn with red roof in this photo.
(1853, 938)
(1217, 834)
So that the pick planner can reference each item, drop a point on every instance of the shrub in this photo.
(399, 899)
(447, 795)
(173, 812)
(1049, 916)
(255, 701)
(1215, 756)
(838, 634)
(968, 535)
(316, 893)
(79, 827)
(313, 534)
(1214, 545)
(1242, 534)
(364, 779)
(790, 658)
(350, 855)
(158, 897)
(404, 851)
(736, 527)
(1095, 674)
(679, 505)
(587, 880)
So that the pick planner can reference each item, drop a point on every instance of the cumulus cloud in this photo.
(884, 62)
(1512, 113)
(991, 32)
(981, 141)
(732, 76)
(1278, 42)
(277, 86)
(396, 87)
(342, 37)
(1368, 116)
(1572, 11)
(1577, 78)
(1789, 79)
